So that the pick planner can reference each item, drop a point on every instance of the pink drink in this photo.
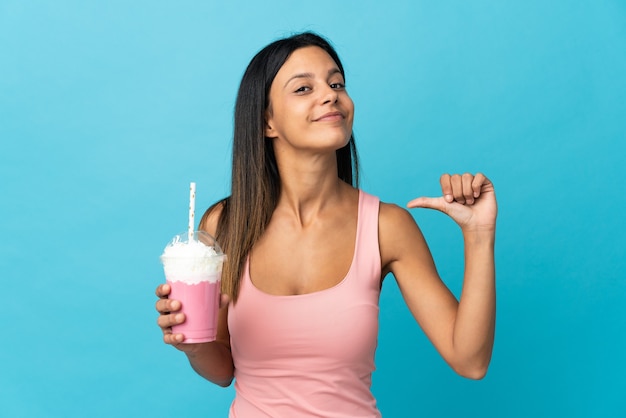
(193, 269)
(198, 305)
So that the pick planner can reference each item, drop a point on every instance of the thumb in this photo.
(437, 203)
(224, 300)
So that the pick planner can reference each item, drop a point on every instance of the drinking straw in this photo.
(192, 209)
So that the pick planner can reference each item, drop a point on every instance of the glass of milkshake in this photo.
(193, 268)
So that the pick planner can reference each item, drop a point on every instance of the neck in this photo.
(309, 184)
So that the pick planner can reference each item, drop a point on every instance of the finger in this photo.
(173, 339)
(165, 306)
(224, 300)
(457, 188)
(477, 183)
(446, 187)
(163, 290)
(167, 321)
(437, 203)
(468, 191)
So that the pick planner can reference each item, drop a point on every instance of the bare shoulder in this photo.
(398, 235)
(396, 223)
(211, 218)
(392, 216)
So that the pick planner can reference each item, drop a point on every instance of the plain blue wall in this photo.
(109, 109)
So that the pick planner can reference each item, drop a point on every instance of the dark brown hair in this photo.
(255, 185)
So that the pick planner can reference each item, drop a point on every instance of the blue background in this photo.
(109, 109)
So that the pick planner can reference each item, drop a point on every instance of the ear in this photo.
(270, 132)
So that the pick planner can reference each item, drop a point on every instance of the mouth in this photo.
(330, 117)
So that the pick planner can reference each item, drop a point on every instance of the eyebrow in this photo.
(332, 71)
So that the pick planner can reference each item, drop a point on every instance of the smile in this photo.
(330, 117)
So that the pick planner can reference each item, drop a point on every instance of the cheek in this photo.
(349, 105)
(350, 108)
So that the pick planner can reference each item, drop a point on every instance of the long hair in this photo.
(255, 185)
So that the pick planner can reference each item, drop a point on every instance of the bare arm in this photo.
(212, 360)
(462, 332)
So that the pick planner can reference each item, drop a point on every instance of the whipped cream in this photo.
(192, 262)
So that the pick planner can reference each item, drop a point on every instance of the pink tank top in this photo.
(311, 355)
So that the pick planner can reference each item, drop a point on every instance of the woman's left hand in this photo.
(468, 199)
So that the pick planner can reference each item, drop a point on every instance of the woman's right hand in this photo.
(211, 360)
(169, 315)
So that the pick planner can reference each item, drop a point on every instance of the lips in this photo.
(330, 116)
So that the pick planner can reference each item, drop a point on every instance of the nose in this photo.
(330, 95)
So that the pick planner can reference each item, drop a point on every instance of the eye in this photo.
(337, 86)
(303, 89)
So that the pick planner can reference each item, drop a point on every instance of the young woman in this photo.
(307, 252)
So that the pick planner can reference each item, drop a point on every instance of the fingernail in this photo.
(448, 198)
(476, 194)
(175, 305)
(179, 317)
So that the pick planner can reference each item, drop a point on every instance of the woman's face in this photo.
(309, 107)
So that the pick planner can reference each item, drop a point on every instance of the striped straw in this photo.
(192, 210)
